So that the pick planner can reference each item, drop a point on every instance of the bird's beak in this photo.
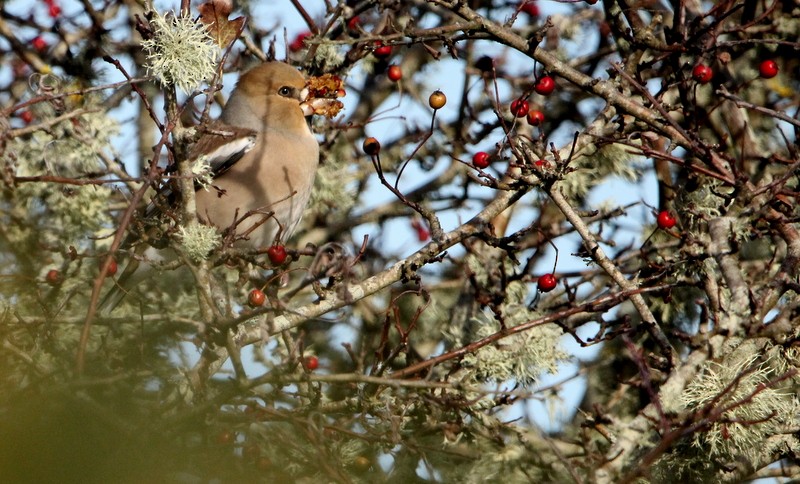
(319, 96)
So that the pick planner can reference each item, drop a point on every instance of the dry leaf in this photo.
(214, 14)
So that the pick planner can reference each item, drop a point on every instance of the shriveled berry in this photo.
(371, 146)
(485, 64)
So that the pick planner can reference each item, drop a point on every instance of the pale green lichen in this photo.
(198, 240)
(62, 213)
(333, 185)
(180, 52)
(522, 357)
(203, 174)
(756, 410)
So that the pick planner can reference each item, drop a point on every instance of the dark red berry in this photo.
(277, 254)
(225, 437)
(535, 117)
(530, 8)
(381, 50)
(519, 108)
(702, 73)
(311, 363)
(422, 231)
(394, 73)
(53, 277)
(26, 117)
(256, 298)
(298, 42)
(353, 23)
(39, 43)
(665, 220)
(768, 69)
(545, 85)
(547, 282)
(481, 160)
(112, 268)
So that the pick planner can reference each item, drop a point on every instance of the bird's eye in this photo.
(285, 91)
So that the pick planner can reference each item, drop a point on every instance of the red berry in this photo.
(768, 69)
(535, 117)
(311, 363)
(256, 298)
(591, 2)
(422, 231)
(112, 268)
(53, 277)
(540, 164)
(702, 73)
(481, 159)
(298, 42)
(665, 220)
(547, 282)
(371, 146)
(353, 23)
(545, 85)
(26, 117)
(395, 73)
(277, 254)
(382, 50)
(39, 43)
(54, 10)
(519, 108)
(530, 8)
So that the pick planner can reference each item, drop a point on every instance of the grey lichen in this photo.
(180, 52)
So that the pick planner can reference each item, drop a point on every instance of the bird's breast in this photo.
(266, 191)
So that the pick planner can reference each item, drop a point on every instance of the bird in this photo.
(263, 158)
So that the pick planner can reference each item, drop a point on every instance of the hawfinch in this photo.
(263, 158)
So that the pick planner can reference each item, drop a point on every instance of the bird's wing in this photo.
(222, 146)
